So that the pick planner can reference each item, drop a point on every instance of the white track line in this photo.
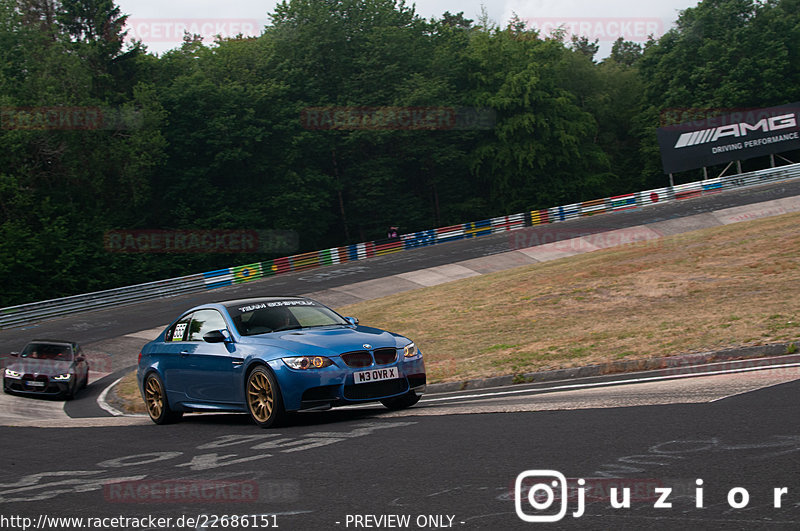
(101, 401)
(609, 383)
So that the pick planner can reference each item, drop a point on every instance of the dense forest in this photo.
(219, 135)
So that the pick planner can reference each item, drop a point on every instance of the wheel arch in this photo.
(175, 406)
(258, 362)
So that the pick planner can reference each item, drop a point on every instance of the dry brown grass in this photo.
(126, 396)
(722, 287)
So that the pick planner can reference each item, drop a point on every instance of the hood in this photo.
(37, 366)
(327, 341)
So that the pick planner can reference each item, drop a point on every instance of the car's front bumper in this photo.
(335, 386)
(37, 386)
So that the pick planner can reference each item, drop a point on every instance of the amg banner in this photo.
(740, 135)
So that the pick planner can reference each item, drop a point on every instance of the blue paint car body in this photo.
(199, 375)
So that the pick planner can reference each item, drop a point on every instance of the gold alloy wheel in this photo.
(154, 397)
(259, 396)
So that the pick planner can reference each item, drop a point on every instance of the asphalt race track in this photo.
(451, 462)
(439, 461)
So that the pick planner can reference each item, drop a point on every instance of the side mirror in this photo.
(14, 354)
(215, 336)
(352, 320)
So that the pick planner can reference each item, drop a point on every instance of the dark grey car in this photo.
(46, 367)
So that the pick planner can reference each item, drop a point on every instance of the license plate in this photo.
(376, 375)
(35, 384)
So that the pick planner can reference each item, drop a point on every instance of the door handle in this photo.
(237, 363)
(184, 353)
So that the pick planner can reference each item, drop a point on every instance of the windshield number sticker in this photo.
(177, 335)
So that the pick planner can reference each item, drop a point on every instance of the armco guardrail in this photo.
(37, 311)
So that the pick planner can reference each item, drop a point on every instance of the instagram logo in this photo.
(537, 488)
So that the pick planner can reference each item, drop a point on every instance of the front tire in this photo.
(264, 401)
(155, 399)
(401, 402)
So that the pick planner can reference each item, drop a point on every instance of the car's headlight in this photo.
(410, 350)
(62, 377)
(13, 374)
(307, 362)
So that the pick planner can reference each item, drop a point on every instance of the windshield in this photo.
(276, 315)
(47, 351)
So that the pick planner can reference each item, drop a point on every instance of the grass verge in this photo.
(728, 286)
(126, 397)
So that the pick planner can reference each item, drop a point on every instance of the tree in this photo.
(94, 21)
(584, 46)
(542, 150)
(625, 53)
(96, 30)
(456, 21)
(725, 53)
(38, 14)
(349, 53)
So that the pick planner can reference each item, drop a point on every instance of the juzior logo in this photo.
(775, 123)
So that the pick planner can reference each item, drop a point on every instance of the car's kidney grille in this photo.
(360, 358)
(385, 356)
(367, 391)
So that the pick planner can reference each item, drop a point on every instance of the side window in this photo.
(178, 330)
(203, 322)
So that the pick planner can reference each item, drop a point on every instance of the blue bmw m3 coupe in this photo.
(274, 355)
